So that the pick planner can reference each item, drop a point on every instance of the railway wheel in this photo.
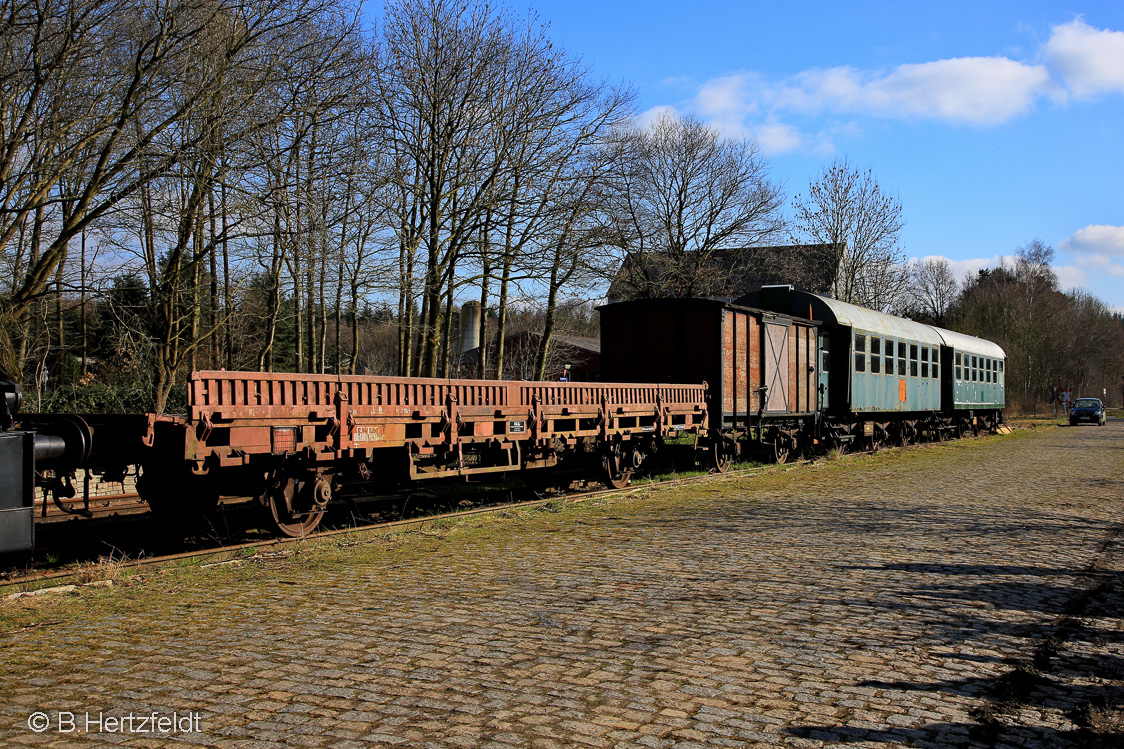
(297, 507)
(616, 475)
(781, 449)
(878, 439)
(723, 455)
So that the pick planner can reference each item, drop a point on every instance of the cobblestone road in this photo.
(956, 595)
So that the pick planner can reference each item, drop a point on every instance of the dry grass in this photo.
(99, 571)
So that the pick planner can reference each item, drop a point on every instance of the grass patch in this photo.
(103, 570)
(556, 504)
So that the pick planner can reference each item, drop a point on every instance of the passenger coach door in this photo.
(774, 352)
(822, 390)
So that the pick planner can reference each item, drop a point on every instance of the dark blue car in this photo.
(1087, 409)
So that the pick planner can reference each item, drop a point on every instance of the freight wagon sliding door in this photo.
(774, 355)
(739, 366)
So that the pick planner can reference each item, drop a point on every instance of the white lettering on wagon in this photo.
(369, 433)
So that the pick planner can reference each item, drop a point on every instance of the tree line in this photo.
(273, 185)
(1054, 340)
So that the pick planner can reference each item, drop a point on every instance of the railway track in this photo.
(33, 578)
(217, 554)
(75, 508)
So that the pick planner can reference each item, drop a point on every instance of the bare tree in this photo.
(847, 208)
(682, 194)
(557, 122)
(479, 113)
(932, 290)
(1019, 306)
(94, 108)
(102, 98)
(437, 80)
(573, 235)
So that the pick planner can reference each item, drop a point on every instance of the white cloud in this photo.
(678, 80)
(1070, 277)
(777, 138)
(1097, 249)
(966, 90)
(964, 269)
(1089, 60)
(1077, 61)
(971, 90)
(974, 90)
(980, 91)
(1096, 239)
(1093, 256)
(772, 137)
(721, 97)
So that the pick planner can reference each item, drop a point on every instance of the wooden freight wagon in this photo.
(760, 367)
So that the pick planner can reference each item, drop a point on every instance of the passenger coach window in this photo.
(902, 346)
(860, 353)
(958, 365)
(875, 351)
(936, 355)
(913, 360)
(925, 361)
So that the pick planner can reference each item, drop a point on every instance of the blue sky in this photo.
(995, 122)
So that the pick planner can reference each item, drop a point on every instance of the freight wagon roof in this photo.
(870, 321)
(970, 343)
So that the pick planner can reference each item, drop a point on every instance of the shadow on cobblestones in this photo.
(935, 735)
(974, 569)
(1063, 667)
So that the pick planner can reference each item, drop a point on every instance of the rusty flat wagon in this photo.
(285, 438)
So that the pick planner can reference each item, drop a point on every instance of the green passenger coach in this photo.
(885, 378)
(977, 381)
